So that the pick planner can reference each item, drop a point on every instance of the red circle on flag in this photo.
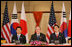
(15, 25)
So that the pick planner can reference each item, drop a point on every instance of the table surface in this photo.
(36, 45)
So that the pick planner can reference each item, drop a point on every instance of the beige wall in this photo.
(37, 6)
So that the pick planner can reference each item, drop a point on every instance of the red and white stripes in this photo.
(49, 32)
(5, 33)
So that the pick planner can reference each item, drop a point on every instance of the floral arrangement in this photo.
(38, 43)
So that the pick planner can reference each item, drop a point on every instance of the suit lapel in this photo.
(55, 36)
(16, 37)
(21, 35)
(40, 36)
(59, 35)
(35, 36)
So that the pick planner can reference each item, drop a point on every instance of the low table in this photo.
(13, 44)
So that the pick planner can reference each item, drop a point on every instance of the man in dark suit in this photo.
(19, 36)
(57, 37)
(38, 36)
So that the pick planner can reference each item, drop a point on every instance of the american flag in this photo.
(5, 32)
(52, 22)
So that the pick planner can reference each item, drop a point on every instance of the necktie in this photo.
(18, 37)
(57, 35)
(38, 37)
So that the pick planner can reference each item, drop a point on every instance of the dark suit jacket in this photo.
(61, 38)
(41, 38)
(22, 38)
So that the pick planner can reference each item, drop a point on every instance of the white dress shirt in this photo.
(18, 35)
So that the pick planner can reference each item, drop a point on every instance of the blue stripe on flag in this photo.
(13, 31)
(65, 32)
